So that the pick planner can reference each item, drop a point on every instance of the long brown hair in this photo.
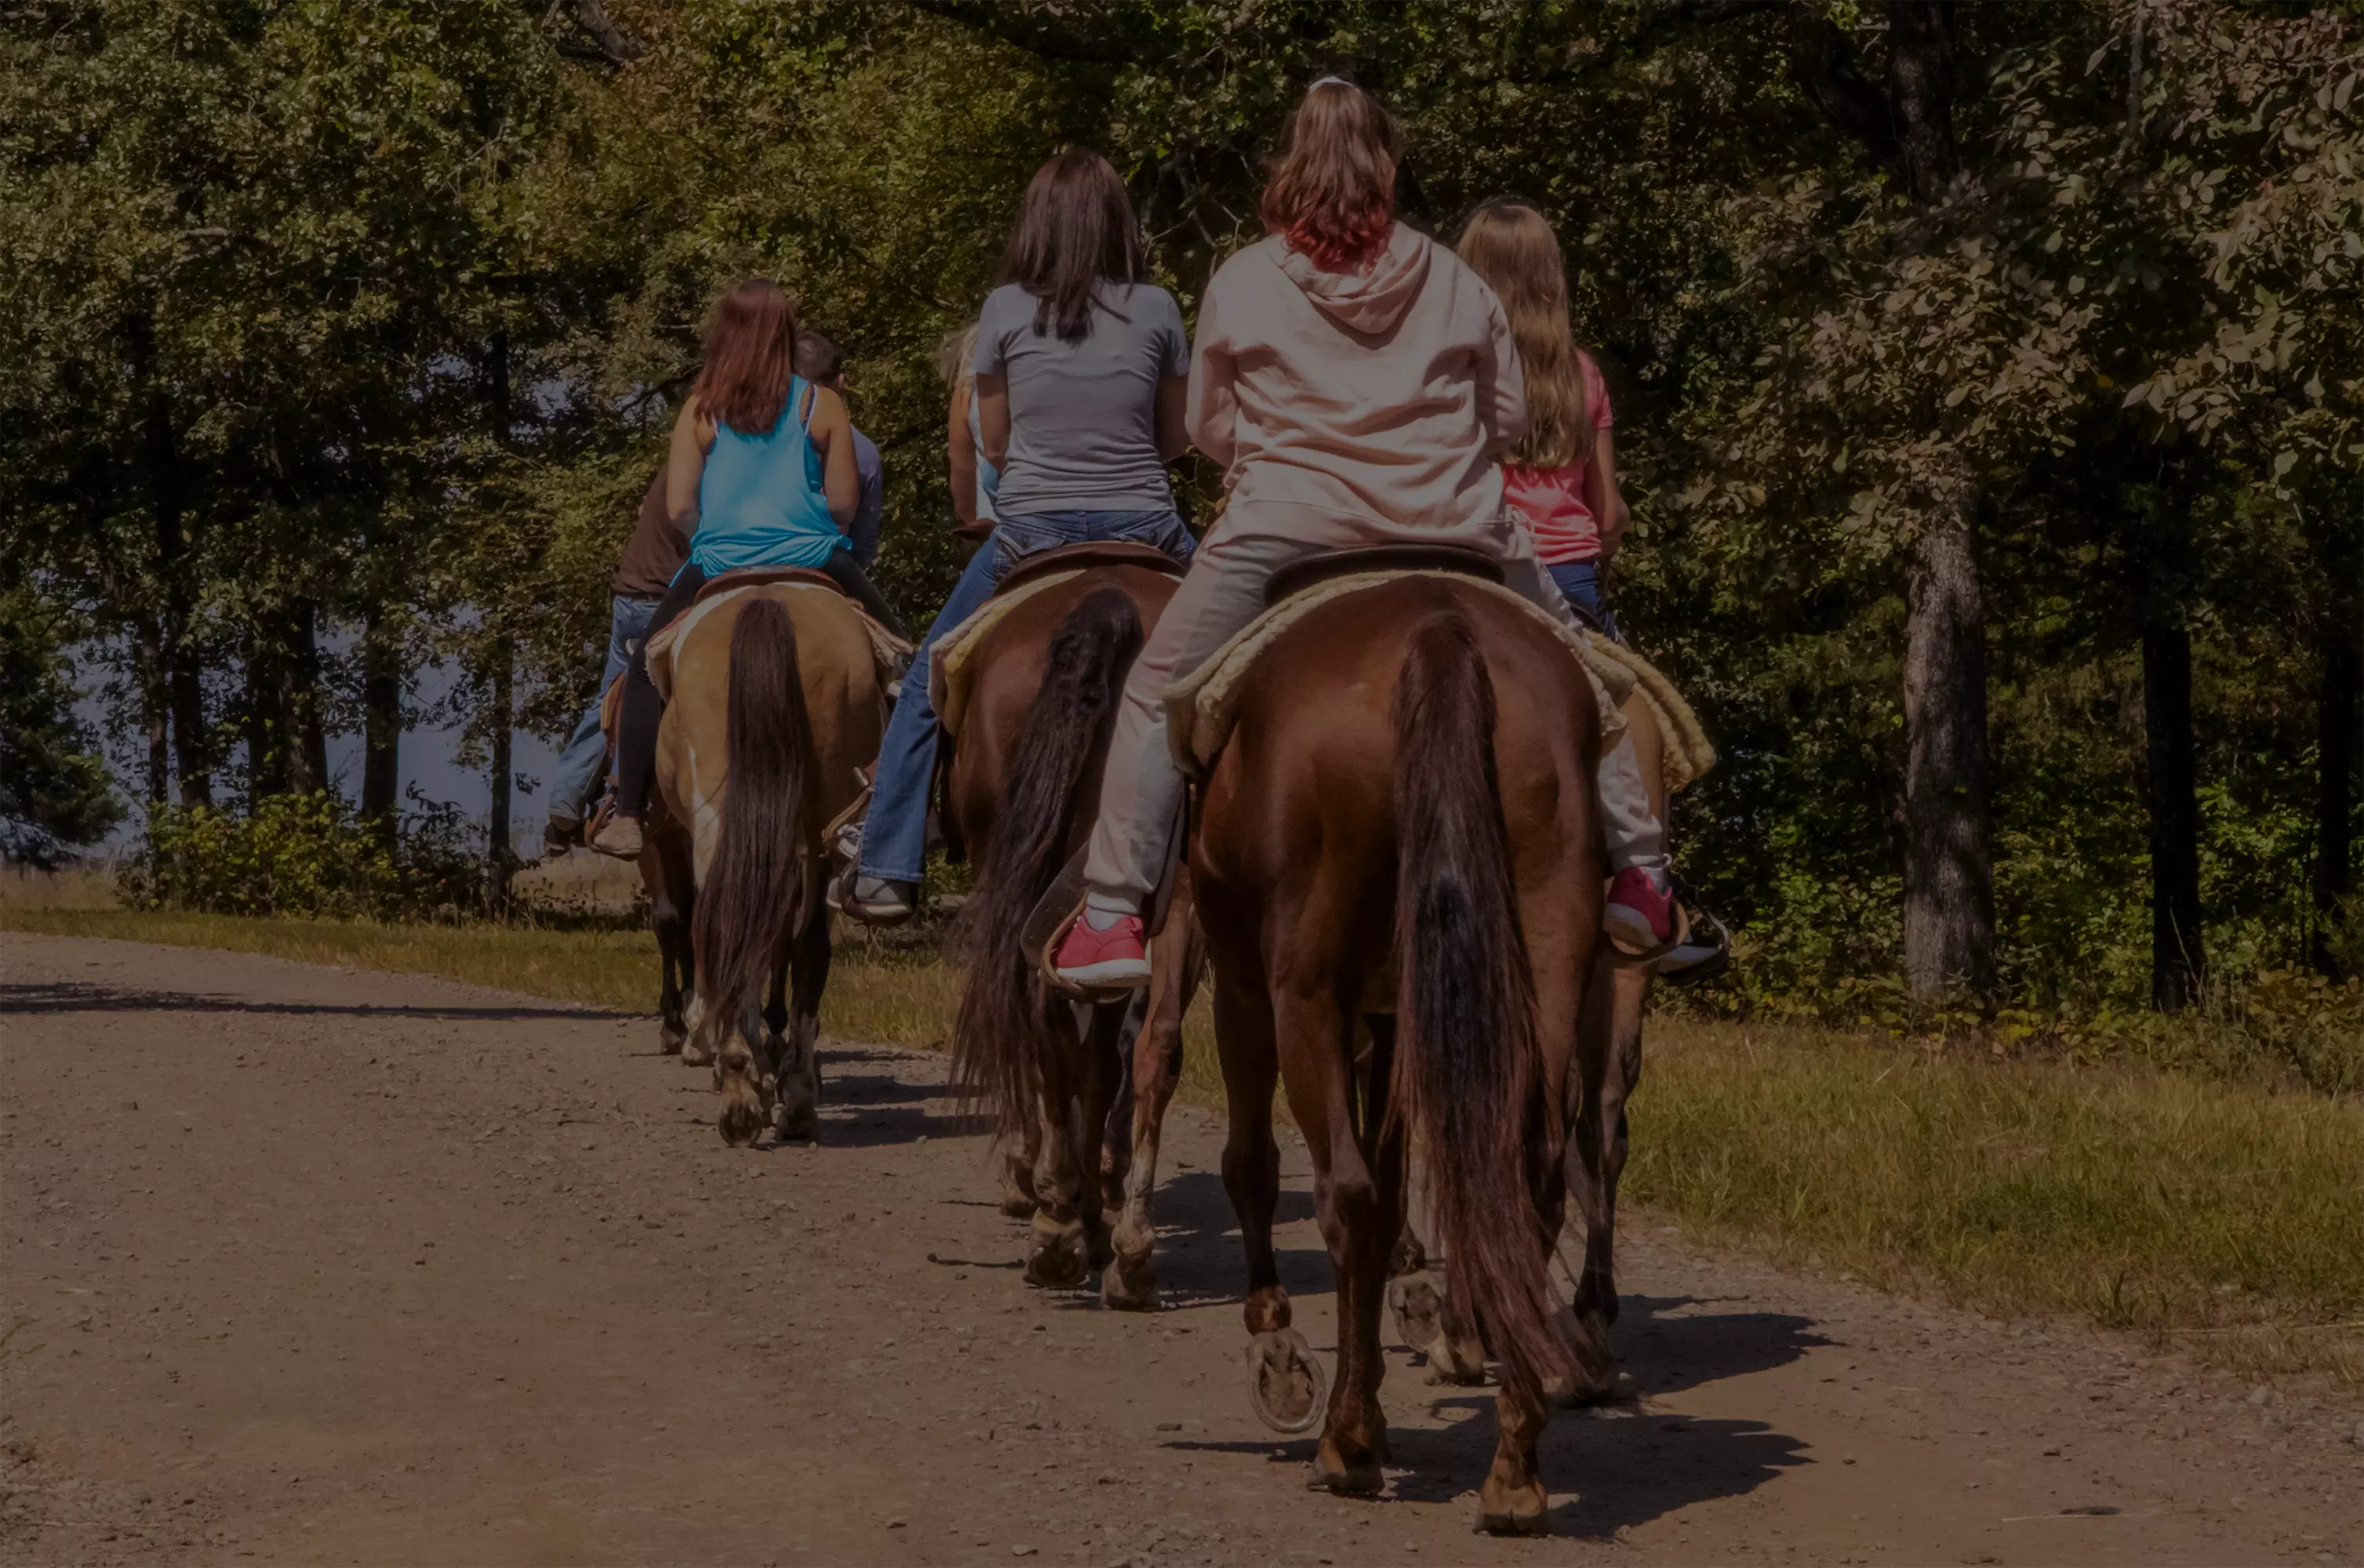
(1076, 230)
(1332, 189)
(1508, 245)
(751, 353)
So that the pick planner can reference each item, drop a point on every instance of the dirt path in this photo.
(318, 1266)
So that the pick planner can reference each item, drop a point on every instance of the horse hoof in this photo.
(740, 1122)
(1359, 1482)
(1457, 1365)
(798, 1124)
(1017, 1205)
(1100, 1254)
(1287, 1384)
(1419, 1310)
(1513, 1523)
(1055, 1265)
(695, 1052)
(669, 1041)
(1129, 1284)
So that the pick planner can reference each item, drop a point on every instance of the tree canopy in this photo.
(1986, 381)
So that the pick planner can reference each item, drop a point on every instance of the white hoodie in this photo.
(1357, 408)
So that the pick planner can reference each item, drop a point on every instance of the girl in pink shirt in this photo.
(1357, 382)
(1560, 481)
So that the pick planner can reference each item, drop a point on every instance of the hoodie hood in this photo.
(1367, 302)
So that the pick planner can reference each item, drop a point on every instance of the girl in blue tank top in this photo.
(762, 463)
(760, 500)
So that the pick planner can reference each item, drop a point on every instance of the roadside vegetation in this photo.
(2209, 1197)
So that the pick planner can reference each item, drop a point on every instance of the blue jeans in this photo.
(578, 766)
(1580, 584)
(895, 835)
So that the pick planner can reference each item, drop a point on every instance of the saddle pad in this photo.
(948, 666)
(888, 650)
(1202, 706)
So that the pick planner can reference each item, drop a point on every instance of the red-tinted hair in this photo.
(1332, 191)
(751, 353)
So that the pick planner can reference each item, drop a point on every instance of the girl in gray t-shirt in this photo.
(1080, 369)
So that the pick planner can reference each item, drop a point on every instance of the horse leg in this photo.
(1315, 1037)
(1100, 1072)
(1608, 1058)
(736, 1074)
(1175, 968)
(672, 893)
(1056, 1260)
(798, 1112)
(1243, 1040)
(1018, 1173)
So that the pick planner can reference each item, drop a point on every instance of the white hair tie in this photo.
(1322, 81)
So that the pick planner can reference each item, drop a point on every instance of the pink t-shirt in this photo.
(1550, 501)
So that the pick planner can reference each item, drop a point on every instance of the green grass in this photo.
(2226, 1215)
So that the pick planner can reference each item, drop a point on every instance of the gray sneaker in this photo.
(879, 901)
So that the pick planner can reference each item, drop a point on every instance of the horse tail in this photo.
(752, 895)
(1467, 1077)
(1001, 1008)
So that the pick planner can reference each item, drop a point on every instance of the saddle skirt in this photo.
(1203, 705)
(952, 664)
(890, 652)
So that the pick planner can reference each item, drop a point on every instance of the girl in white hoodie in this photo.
(1358, 382)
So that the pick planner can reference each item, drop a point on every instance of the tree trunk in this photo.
(2172, 769)
(154, 709)
(308, 737)
(2335, 816)
(266, 753)
(498, 853)
(381, 723)
(160, 455)
(1948, 863)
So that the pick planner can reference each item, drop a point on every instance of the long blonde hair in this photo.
(1509, 244)
(953, 353)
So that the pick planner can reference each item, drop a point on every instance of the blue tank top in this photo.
(759, 501)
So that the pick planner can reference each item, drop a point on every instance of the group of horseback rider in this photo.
(1358, 382)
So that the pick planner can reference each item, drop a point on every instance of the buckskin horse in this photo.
(776, 698)
(1399, 835)
(1044, 668)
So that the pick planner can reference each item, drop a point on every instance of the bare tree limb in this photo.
(1037, 28)
(608, 41)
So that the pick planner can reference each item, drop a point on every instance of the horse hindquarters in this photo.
(754, 898)
(1468, 1073)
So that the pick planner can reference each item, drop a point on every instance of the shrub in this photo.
(302, 854)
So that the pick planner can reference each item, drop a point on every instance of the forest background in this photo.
(1987, 377)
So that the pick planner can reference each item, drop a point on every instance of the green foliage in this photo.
(264, 268)
(300, 855)
(54, 792)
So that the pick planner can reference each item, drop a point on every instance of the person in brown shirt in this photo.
(652, 556)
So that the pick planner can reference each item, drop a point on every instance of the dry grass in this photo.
(2226, 1216)
(77, 888)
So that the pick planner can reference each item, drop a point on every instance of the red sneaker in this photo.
(1640, 914)
(1113, 960)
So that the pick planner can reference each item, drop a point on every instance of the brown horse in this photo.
(1025, 766)
(774, 701)
(1402, 834)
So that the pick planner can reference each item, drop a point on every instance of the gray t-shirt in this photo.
(1082, 416)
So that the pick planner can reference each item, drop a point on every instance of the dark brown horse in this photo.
(1400, 874)
(1024, 768)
